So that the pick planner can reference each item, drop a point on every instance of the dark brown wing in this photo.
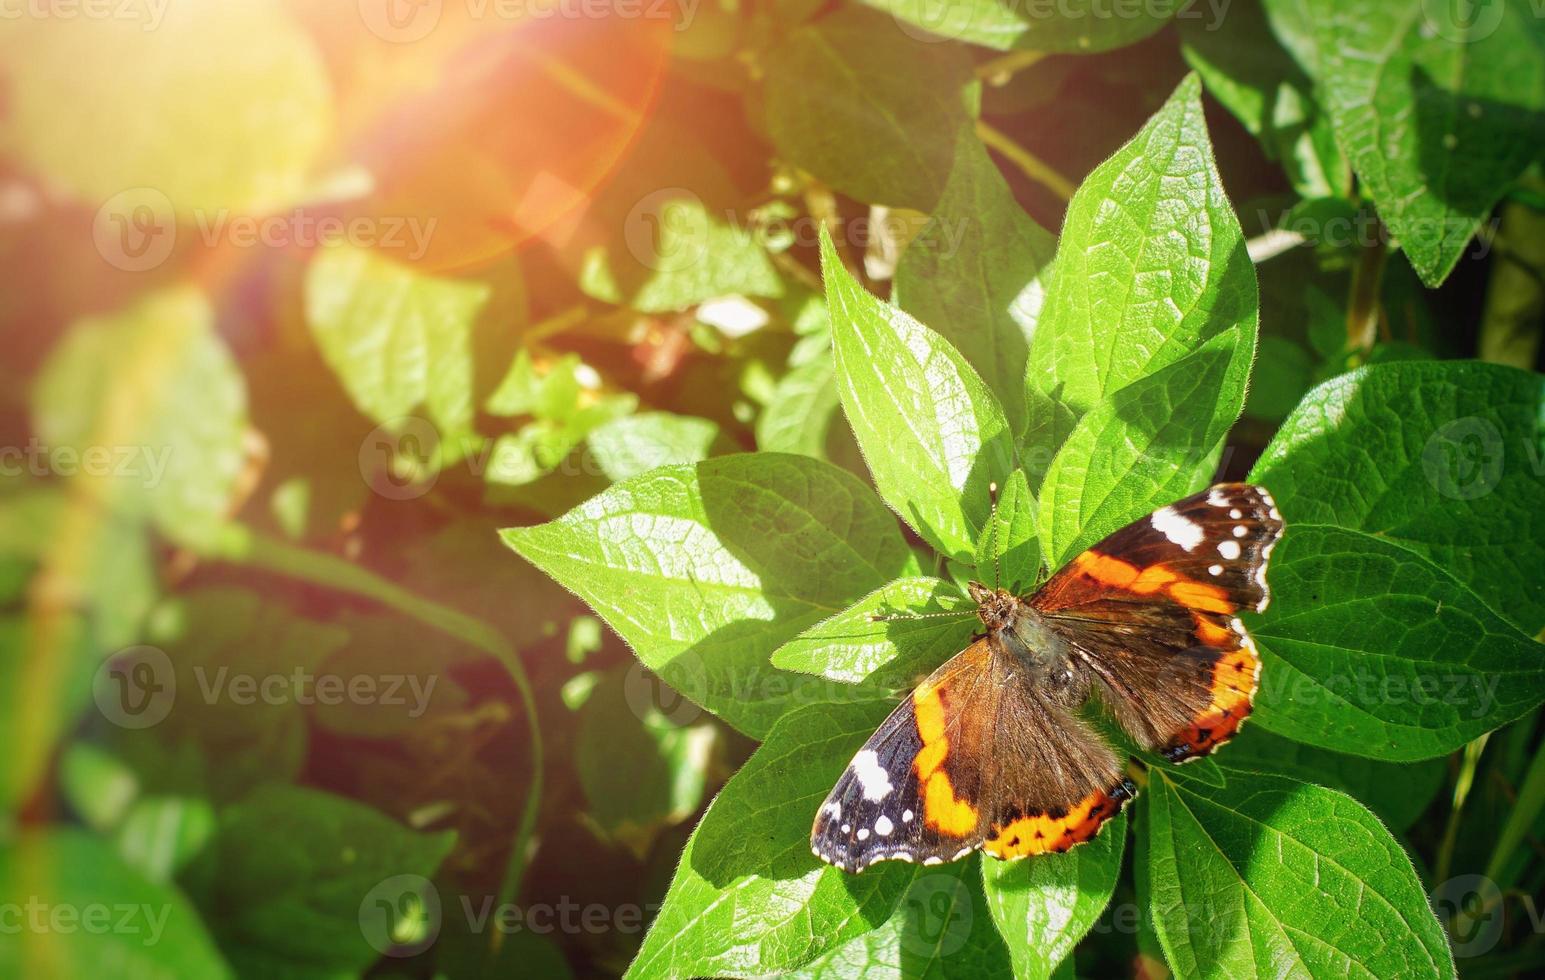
(1151, 614)
(976, 757)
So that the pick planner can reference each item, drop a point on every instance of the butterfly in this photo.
(989, 751)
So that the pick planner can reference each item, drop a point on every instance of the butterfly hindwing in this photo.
(1152, 613)
(978, 756)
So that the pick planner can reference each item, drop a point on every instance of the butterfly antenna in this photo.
(997, 559)
(893, 617)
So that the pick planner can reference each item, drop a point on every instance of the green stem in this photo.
(1472, 759)
(1363, 306)
(243, 546)
(1029, 164)
(1526, 809)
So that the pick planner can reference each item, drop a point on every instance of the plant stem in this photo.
(1472, 759)
(1514, 314)
(1363, 306)
(1526, 809)
(241, 545)
(996, 71)
(1028, 163)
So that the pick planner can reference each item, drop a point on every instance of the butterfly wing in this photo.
(975, 757)
(1151, 614)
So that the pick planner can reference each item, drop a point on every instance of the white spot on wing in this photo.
(906, 816)
(1217, 498)
(871, 776)
(1236, 513)
(1179, 530)
(1214, 569)
(1229, 550)
(883, 826)
(1240, 530)
(863, 833)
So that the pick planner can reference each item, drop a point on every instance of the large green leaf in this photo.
(1045, 905)
(941, 928)
(97, 916)
(1439, 107)
(975, 274)
(705, 570)
(852, 79)
(398, 339)
(801, 415)
(1008, 555)
(1144, 446)
(295, 876)
(1372, 650)
(1267, 875)
(1444, 457)
(1151, 264)
(1081, 26)
(635, 444)
(151, 405)
(748, 898)
(932, 433)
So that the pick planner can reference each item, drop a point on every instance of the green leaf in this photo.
(154, 409)
(1009, 552)
(932, 433)
(1150, 266)
(941, 928)
(705, 570)
(1443, 457)
(678, 254)
(1397, 792)
(635, 444)
(1438, 116)
(852, 80)
(40, 699)
(1044, 906)
(748, 897)
(889, 655)
(666, 764)
(1372, 650)
(160, 835)
(233, 718)
(1255, 77)
(397, 339)
(975, 274)
(801, 415)
(294, 872)
(210, 137)
(1144, 446)
(111, 922)
(1081, 26)
(1269, 875)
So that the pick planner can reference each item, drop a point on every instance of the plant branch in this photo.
(1028, 163)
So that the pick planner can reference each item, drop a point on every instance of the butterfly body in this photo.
(990, 752)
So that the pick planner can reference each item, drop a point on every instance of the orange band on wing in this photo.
(1117, 574)
(1057, 830)
(1234, 679)
(942, 810)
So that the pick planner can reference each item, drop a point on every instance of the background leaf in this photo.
(1076, 25)
(1436, 115)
